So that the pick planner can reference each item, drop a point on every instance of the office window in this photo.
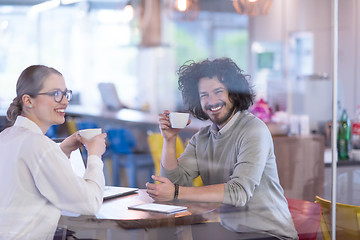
(210, 35)
(17, 49)
(93, 45)
(87, 46)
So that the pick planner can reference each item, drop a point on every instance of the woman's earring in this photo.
(30, 106)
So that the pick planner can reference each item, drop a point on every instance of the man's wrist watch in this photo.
(176, 193)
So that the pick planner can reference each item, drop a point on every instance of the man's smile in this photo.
(215, 108)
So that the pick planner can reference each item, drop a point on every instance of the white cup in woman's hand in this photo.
(90, 133)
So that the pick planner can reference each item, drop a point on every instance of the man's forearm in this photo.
(168, 156)
(210, 193)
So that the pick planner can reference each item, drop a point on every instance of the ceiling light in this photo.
(252, 7)
(182, 10)
(129, 13)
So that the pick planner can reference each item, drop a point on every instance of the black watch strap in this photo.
(176, 193)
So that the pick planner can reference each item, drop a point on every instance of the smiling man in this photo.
(234, 155)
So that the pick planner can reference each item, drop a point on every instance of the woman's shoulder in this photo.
(34, 142)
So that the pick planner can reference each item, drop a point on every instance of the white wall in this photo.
(349, 30)
(315, 16)
(357, 55)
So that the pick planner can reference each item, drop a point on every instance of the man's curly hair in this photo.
(228, 73)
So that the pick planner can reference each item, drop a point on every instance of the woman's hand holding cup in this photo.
(93, 140)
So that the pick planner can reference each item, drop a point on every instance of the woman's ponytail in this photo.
(14, 110)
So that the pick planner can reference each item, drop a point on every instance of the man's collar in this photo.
(214, 129)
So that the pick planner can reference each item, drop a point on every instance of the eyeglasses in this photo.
(58, 95)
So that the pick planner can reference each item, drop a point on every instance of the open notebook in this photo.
(78, 165)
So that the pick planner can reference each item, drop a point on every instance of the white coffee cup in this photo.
(178, 120)
(90, 133)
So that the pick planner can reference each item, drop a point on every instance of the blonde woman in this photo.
(36, 178)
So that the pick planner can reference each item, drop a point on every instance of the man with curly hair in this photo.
(234, 155)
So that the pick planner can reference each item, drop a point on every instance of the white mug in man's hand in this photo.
(90, 133)
(178, 120)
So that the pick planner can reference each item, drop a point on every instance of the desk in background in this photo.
(126, 116)
(348, 182)
(139, 122)
(300, 163)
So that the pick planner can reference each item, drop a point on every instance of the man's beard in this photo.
(220, 121)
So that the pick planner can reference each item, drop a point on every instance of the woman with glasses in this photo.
(36, 178)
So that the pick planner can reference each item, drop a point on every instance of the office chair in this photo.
(53, 132)
(86, 124)
(306, 217)
(121, 145)
(155, 141)
(347, 220)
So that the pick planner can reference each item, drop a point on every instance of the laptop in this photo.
(78, 165)
(109, 96)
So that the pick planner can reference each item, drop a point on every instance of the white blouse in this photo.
(37, 182)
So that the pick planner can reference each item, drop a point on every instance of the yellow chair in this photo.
(347, 220)
(155, 141)
(71, 125)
